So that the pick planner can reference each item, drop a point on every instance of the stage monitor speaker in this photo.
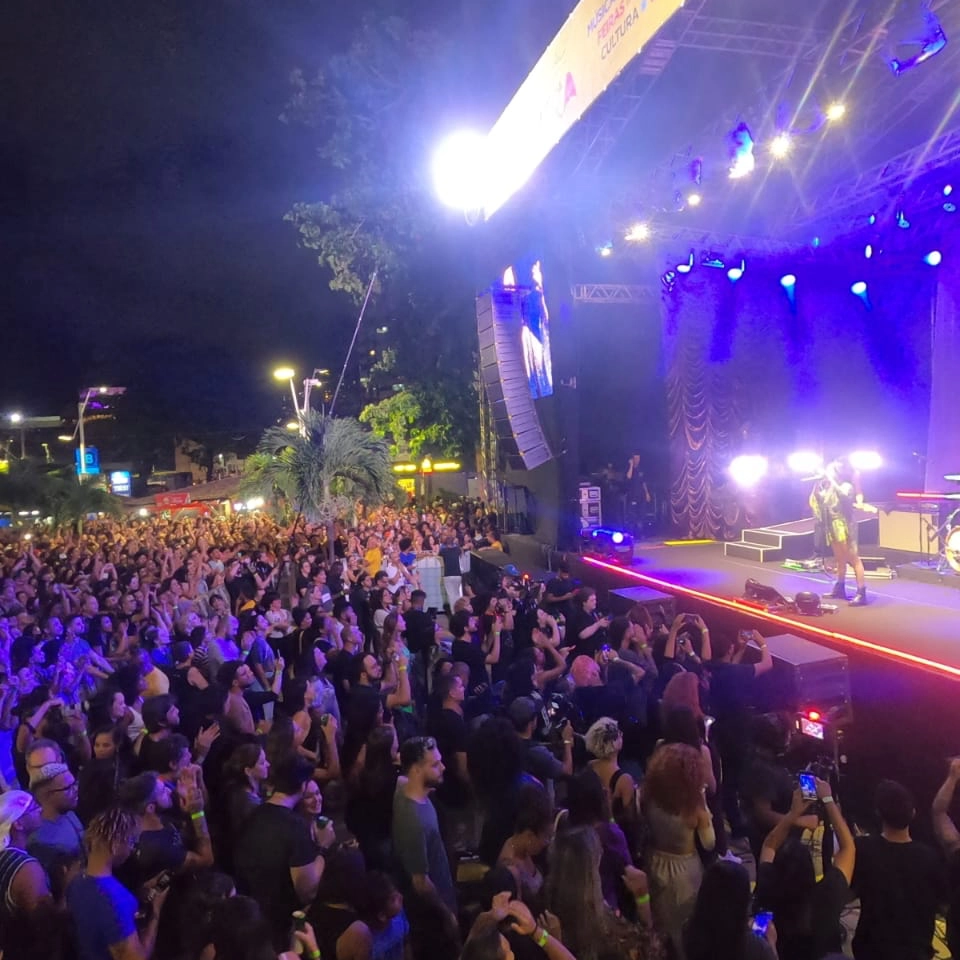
(516, 424)
(622, 600)
(806, 676)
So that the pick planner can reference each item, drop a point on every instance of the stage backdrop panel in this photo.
(943, 442)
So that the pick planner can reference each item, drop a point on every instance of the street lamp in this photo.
(81, 410)
(17, 420)
(288, 373)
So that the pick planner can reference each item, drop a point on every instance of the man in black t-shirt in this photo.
(449, 729)
(900, 883)
(560, 591)
(806, 912)
(731, 696)
(465, 650)
(275, 859)
(420, 636)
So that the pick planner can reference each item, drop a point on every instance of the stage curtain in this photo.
(703, 416)
(943, 438)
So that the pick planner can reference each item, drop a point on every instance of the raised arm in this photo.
(943, 825)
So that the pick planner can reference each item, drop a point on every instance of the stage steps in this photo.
(766, 544)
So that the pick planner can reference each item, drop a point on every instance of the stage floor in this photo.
(906, 620)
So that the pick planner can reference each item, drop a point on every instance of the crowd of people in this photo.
(225, 739)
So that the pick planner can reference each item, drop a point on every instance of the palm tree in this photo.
(55, 495)
(321, 470)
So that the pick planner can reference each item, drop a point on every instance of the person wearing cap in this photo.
(23, 882)
(538, 760)
(60, 830)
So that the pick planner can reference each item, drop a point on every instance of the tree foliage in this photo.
(323, 472)
(363, 110)
(412, 425)
(55, 495)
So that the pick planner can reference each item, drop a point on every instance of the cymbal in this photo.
(952, 477)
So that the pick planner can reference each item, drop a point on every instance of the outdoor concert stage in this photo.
(912, 622)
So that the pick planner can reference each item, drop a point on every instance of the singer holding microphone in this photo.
(833, 499)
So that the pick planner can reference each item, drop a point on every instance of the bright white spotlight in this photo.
(605, 250)
(460, 170)
(805, 462)
(933, 258)
(859, 288)
(865, 460)
(637, 233)
(787, 281)
(836, 111)
(748, 470)
(780, 145)
(688, 266)
(868, 251)
(617, 537)
(734, 274)
(694, 200)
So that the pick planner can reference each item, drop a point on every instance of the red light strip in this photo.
(913, 495)
(742, 607)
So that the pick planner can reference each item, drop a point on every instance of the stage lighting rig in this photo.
(748, 470)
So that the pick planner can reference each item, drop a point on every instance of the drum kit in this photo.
(949, 534)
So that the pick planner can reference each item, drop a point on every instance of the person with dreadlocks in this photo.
(103, 910)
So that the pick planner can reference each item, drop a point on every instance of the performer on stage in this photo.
(833, 499)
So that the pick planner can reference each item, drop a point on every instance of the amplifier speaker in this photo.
(516, 423)
(806, 675)
(622, 600)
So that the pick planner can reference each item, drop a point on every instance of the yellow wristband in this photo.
(199, 815)
(541, 938)
(401, 669)
(314, 955)
(642, 901)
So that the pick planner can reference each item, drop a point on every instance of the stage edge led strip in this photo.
(745, 608)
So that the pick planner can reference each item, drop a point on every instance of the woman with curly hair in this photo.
(590, 929)
(676, 810)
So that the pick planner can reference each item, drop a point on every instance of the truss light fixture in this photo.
(780, 145)
(638, 233)
(694, 199)
(605, 249)
(836, 111)
(735, 273)
(859, 289)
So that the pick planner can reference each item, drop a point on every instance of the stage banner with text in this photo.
(599, 38)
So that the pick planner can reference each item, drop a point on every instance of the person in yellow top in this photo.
(373, 556)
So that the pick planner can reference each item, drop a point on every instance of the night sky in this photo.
(144, 174)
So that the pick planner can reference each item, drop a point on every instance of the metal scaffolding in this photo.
(607, 120)
(615, 293)
(884, 180)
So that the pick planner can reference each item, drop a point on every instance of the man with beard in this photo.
(419, 849)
